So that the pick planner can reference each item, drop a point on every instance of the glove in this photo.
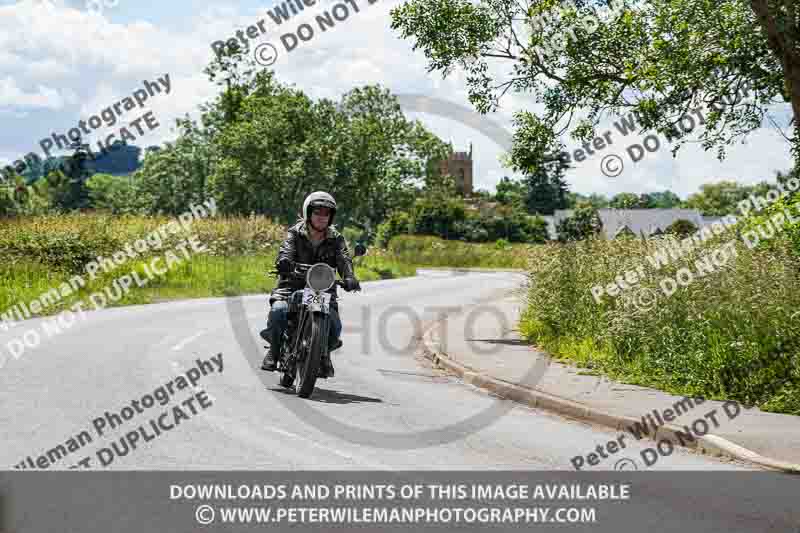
(351, 284)
(285, 265)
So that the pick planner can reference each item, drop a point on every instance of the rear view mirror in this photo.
(360, 250)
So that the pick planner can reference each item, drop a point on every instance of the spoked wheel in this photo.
(315, 339)
(287, 377)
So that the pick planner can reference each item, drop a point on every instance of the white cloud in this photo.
(43, 97)
(762, 153)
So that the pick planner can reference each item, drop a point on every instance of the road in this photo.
(386, 408)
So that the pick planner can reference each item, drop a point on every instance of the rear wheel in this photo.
(314, 342)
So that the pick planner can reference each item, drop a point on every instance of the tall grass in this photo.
(730, 334)
(434, 251)
(41, 253)
(70, 241)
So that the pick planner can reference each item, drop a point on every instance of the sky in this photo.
(63, 61)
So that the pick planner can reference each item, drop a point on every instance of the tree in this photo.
(439, 215)
(646, 201)
(511, 192)
(175, 177)
(662, 59)
(783, 179)
(655, 200)
(388, 155)
(583, 224)
(718, 199)
(544, 173)
(624, 200)
(262, 146)
(65, 186)
(117, 194)
(272, 145)
(547, 190)
(598, 201)
(19, 199)
(536, 230)
(665, 200)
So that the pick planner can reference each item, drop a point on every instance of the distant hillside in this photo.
(121, 159)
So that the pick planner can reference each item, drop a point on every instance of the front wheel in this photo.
(314, 341)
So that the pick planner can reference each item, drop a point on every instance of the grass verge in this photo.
(730, 333)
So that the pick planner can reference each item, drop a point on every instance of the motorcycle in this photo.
(305, 340)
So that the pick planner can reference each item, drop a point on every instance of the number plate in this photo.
(317, 301)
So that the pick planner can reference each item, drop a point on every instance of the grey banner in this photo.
(175, 501)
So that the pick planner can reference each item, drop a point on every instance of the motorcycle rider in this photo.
(313, 239)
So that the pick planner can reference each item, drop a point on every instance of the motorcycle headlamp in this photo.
(320, 277)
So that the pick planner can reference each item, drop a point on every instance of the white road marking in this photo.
(186, 341)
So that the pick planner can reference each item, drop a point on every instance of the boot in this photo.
(326, 367)
(270, 363)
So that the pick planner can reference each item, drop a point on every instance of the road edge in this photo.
(708, 444)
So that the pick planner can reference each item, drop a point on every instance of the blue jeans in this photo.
(279, 318)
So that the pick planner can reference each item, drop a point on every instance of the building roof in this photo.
(639, 221)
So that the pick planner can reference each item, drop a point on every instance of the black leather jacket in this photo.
(298, 248)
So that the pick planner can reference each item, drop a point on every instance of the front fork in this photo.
(292, 344)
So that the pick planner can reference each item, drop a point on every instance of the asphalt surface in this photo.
(386, 408)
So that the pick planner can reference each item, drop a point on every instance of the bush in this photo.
(448, 218)
(114, 193)
(536, 229)
(398, 223)
(501, 244)
(789, 231)
(583, 224)
(511, 224)
(352, 236)
(681, 228)
(471, 230)
(19, 199)
(438, 216)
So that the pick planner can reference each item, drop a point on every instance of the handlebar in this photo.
(299, 272)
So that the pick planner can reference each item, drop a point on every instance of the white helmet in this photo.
(319, 199)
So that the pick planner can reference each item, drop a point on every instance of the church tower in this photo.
(459, 165)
